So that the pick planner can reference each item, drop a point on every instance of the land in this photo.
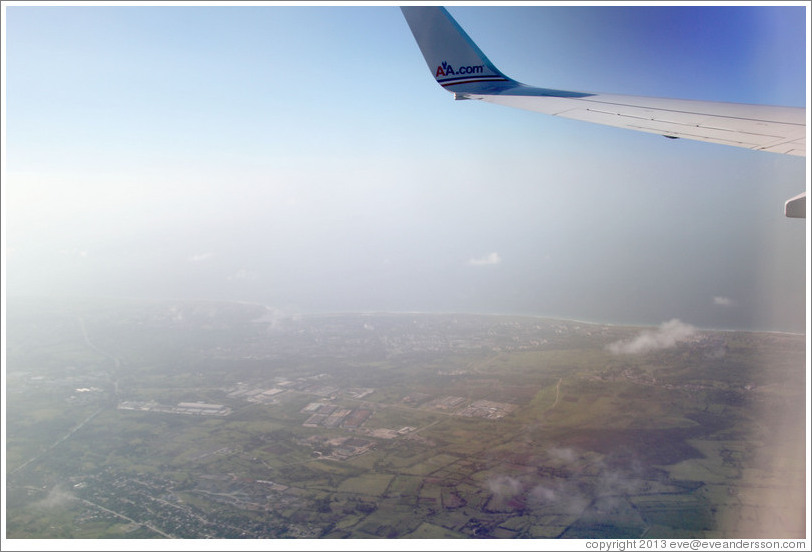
(190, 419)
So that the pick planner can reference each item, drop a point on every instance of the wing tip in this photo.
(796, 207)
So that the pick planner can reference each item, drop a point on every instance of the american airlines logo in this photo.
(445, 70)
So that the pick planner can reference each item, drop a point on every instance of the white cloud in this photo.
(199, 257)
(57, 497)
(563, 454)
(667, 335)
(244, 274)
(490, 259)
(564, 495)
(723, 301)
(504, 487)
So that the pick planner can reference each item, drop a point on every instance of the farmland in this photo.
(170, 419)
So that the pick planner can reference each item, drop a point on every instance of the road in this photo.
(81, 424)
(557, 395)
(58, 441)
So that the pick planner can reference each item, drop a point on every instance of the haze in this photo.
(303, 158)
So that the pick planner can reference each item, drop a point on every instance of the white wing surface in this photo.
(460, 67)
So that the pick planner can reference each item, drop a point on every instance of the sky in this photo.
(303, 157)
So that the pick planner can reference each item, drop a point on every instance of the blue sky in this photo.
(304, 158)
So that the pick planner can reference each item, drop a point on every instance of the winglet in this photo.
(796, 207)
(456, 62)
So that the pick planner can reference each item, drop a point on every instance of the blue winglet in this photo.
(457, 64)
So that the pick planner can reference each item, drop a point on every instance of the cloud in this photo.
(199, 257)
(276, 318)
(490, 259)
(599, 493)
(723, 301)
(621, 481)
(608, 483)
(243, 275)
(57, 497)
(566, 497)
(504, 487)
(667, 335)
(563, 454)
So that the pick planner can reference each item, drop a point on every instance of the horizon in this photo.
(295, 314)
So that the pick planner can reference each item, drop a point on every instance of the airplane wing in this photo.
(460, 67)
